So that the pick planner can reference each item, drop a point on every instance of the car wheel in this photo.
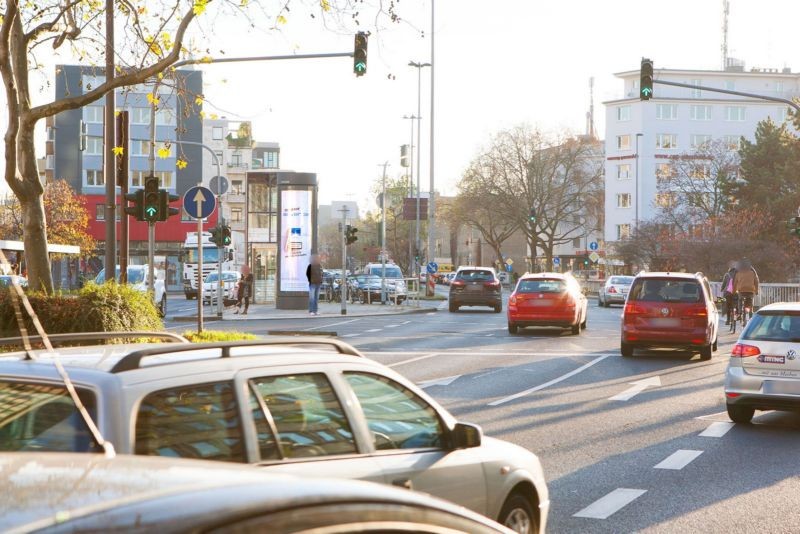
(517, 515)
(715, 346)
(706, 353)
(576, 329)
(626, 350)
(162, 307)
(453, 308)
(498, 308)
(512, 328)
(740, 414)
(585, 320)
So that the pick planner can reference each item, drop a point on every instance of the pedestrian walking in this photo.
(314, 275)
(245, 291)
(727, 291)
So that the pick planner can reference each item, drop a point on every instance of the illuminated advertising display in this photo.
(295, 251)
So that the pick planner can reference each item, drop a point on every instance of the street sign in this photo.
(593, 245)
(433, 267)
(509, 268)
(594, 256)
(509, 262)
(556, 261)
(218, 185)
(199, 202)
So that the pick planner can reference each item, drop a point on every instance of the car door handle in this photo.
(402, 483)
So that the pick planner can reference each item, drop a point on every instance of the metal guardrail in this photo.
(767, 293)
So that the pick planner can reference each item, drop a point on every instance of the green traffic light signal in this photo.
(646, 80)
(226, 235)
(152, 200)
(360, 54)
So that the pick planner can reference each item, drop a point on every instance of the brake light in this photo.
(612, 289)
(513, 300)
(493, 285)
(458, 283)
(740, 350)
(699, 311)
(633, 309)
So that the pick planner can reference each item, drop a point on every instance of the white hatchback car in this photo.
(764, 369)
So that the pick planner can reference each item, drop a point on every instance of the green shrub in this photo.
(95, 308)
(208, 336)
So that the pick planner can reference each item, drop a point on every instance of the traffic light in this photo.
(360, 54)
(152, 200)
(164, 209)
(226, 235)
(216, 236)
(532, 216)
(793, 225)
(586, 262)
(350, 234)
(646, 80)
(404, 153)
(137, 210)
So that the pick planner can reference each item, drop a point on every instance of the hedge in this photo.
(208, 336)
(95, 308)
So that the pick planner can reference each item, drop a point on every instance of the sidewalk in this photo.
(327, 310)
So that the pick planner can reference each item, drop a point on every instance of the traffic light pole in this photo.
(151, 248)
(343, 286)
(220, 251)
(729, 92)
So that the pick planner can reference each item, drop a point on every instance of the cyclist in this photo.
(727, 291)
(745, 284)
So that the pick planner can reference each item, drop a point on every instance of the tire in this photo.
(715, 346)
(576, 329)
(512, 328)
(740, 414)
(585, 320)
(188, 296)
(498, 308)
(453, 308)
(626, 350)
(162, 306)
(600, 302)
(706, 352)
(517, 514)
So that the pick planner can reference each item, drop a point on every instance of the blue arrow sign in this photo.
(199, 202)
(593, 245)
(556, 261)
(433, 267)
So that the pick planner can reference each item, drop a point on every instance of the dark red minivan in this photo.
(547, 299)
(670, 310)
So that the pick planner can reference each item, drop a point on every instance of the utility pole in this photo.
(383, 235)
(108, 145)
(121, 178)
(419, 66)
(411, 245)
(432, 199)
(344, 212)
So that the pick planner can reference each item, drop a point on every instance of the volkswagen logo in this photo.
(791, 355)
(664, 311)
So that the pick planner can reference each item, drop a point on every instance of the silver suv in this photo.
(303, 406)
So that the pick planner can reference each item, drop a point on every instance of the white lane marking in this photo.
(550, 383)
(606, 506)
(393, 325)
(331, 324)
(351, 335)
(418, 358)
(489, 373)
(373, 330)
(405, 322)
(711, 417)
(638, 387)
(678, 460)
(446, 381)
(716, 430)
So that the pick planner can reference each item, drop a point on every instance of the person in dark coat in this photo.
(245, 291)
(314, 275)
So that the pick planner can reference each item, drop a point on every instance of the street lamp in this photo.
(411, 244)
(419, 66)
(638, 135)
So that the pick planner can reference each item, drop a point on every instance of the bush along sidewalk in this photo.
(208, 336)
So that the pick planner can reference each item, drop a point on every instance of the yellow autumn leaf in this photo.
(281, 19)
(116, 113)
(118, 150)
(206, 59)
(202, 115)
(181, 163)
(325, 5)
(199, 100)
(166, 39)
(199, 7)
(153, 100)
(243, 3)
(164, 152)
(160, 75)
(214, 116)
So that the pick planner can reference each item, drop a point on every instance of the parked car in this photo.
(505, 278)
(394, 278)
(60, 493)
(614, 291)
(547, 299)
(138, 279)
(230, 287)
(475, 286)
(298, 405)
(365, 288)
(670, 310)
(764, 369)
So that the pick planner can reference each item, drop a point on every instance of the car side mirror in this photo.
(466, 436)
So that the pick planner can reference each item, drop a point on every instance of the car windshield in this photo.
(391, 272)
(210, 255)
(135, 275)
(666, 290)
(475, 275)
(542, 286)
(621, 280)
(773, 326)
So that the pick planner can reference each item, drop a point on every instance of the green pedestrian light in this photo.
(360, 54)
(152, 199)
(646, 80)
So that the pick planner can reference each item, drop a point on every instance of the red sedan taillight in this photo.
(740, 350)
(458, 283)
(492, 285)
(612, 289)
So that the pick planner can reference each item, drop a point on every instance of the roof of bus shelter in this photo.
(52, 248)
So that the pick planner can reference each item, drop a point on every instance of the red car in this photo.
(670, 310)
(547, 299)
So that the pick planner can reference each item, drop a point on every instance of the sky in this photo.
(497, 64)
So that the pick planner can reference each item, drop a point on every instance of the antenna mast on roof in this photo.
(726, 6)
(590, 114)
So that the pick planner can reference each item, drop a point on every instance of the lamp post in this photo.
(431, 196)
(636, 225)
(411, 245)
(419, 66)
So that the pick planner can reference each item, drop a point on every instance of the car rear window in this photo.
(542, 286)
(665, 290)
(475, 275)
(42, 417)
(773, 326)
(621, 279)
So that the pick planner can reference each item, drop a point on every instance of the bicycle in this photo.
(745, 307)
(735, 312)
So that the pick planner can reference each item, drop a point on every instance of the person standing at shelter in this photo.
(314, 275)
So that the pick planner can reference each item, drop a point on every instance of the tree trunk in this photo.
(532, 248)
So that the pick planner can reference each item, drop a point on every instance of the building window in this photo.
(667, 112)
(624, 171)
(576, 242)
(730, 85)
(51, 133)
(166, 117)
(623, 200)
(700, 113)
(236, 187)
(94, 146)
(779, 88)
(623, 231)
(664, 171)
(732, 141)
(271, 160)
(236, 160)
(93, 177)
(93, 114)
(667, 141)
(700, 140)
(696, 93)
(236, 215)
(624, 113)
(665, 200)
(624, 142)
(216, 133)
(220, 157)
(99, 212)
(166, 179)
(701, 172)
(783, 114)
(734, 113)
(140, 115)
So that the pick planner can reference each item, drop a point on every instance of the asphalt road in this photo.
(628, 445)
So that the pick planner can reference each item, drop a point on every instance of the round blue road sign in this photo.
(199, 202)
(556, 261)
(433, 267)
(593, 245)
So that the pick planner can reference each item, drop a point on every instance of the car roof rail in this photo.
(60, 339)
(133, 360)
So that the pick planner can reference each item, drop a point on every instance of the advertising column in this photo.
(297, 238)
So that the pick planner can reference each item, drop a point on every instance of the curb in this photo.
(193, 318)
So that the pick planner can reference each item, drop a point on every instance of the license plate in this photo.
(540, 303)
(624, 290)
(782, 387)
(665, 322)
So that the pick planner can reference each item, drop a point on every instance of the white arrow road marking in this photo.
(638, 387)
(716, 430)
(678, 460)
(550, 383)
(446, 381)
(606, 506)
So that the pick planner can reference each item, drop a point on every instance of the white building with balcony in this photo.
(642, 136)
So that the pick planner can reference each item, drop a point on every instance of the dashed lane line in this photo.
(329, 325)
(678, 460)
(607, 506)
(411, 360)
(351, 335)
(716, 430)
(372, 330)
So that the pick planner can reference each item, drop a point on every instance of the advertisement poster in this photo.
(295, 239)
